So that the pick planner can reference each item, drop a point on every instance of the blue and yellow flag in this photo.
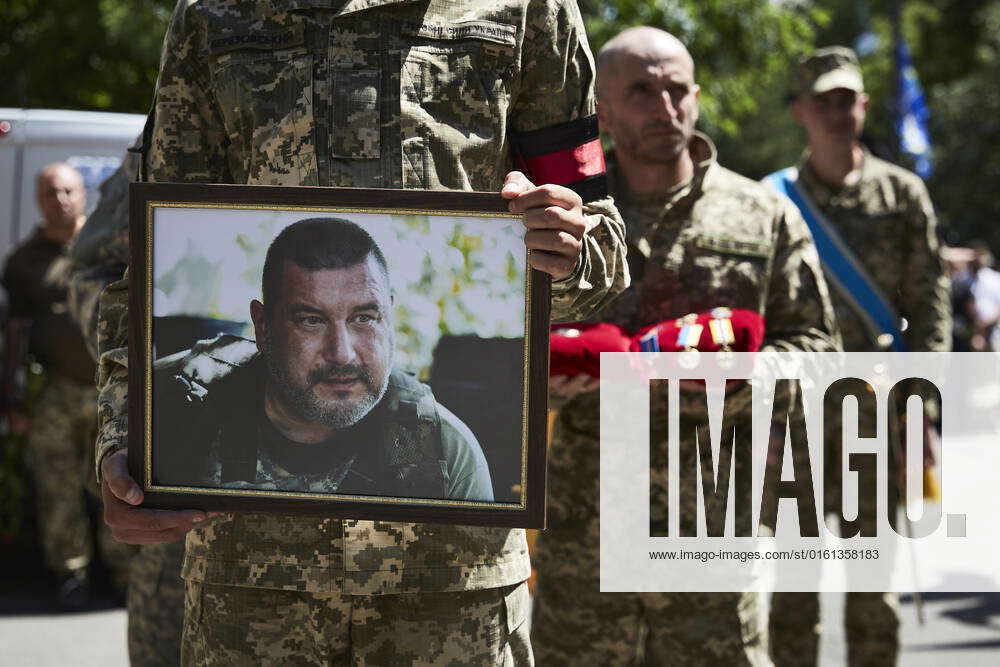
(912, 114)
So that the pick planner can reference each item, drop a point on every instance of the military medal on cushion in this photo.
(650, 341)
(721, 328)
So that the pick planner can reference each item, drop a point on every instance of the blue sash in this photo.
(843, 269)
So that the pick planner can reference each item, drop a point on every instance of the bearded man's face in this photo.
(329, 342)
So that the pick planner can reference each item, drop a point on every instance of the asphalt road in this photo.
(34, 633)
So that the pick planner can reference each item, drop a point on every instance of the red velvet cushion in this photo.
(576, 348)
(748, 329)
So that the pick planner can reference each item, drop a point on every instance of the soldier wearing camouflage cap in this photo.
(701, 238)
(380, 93)
(828, 69)
(883, 215)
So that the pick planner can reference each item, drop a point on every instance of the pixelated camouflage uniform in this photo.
(61, 443)
(720, 240)
(888, 221)
(64, 419)
(363, 93)
(155, 590)
(99, 253)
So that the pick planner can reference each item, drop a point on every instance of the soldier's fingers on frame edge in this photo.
(114, 472)
(558, 266)
(547, 195)
(122, 516)
(514, 183)
(559, 242)
(554, 217)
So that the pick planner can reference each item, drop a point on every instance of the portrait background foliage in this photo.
(450, 275)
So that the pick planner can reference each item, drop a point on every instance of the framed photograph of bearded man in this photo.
(368, 354)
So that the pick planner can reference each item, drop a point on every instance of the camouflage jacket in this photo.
(719, 240)
(100, 252)
(385, 93)
(887, 220)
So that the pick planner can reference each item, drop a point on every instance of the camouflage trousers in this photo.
(870, 619)
(156, 606)
(575, 624)
(233, 625)
(61, 442)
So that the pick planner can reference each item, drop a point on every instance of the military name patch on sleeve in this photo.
(264, 40)
(459, 30)
(568, 154)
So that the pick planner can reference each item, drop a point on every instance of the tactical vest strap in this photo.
(413, 441)
(239, 439)
(238, 449)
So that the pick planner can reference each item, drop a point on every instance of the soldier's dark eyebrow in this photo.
(301, 308)
(371, 305)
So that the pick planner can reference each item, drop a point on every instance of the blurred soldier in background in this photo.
(62, 429)
(976, 293)
(881, 216)
(700, 238)
(155, 590)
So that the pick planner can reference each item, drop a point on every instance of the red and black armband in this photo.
(568, 154)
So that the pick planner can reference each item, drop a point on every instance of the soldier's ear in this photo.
(795, 109)
(259, 323)
(602, 116)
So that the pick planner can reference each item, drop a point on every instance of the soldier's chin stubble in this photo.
(304, 402)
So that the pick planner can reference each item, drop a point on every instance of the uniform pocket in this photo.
(356, 119)
(734, 267)
(453, 113)
(457, 88)
(515, 600)
(266, 101)
(517, 647)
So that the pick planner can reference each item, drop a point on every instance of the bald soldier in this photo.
(883, 216)
(699, 237)
(62, 429)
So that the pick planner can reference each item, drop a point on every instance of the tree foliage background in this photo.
(103, 54)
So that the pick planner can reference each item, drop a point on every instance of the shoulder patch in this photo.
(261, 40)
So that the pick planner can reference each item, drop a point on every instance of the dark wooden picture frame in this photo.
(468, 368)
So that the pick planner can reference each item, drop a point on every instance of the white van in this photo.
(91, 141)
